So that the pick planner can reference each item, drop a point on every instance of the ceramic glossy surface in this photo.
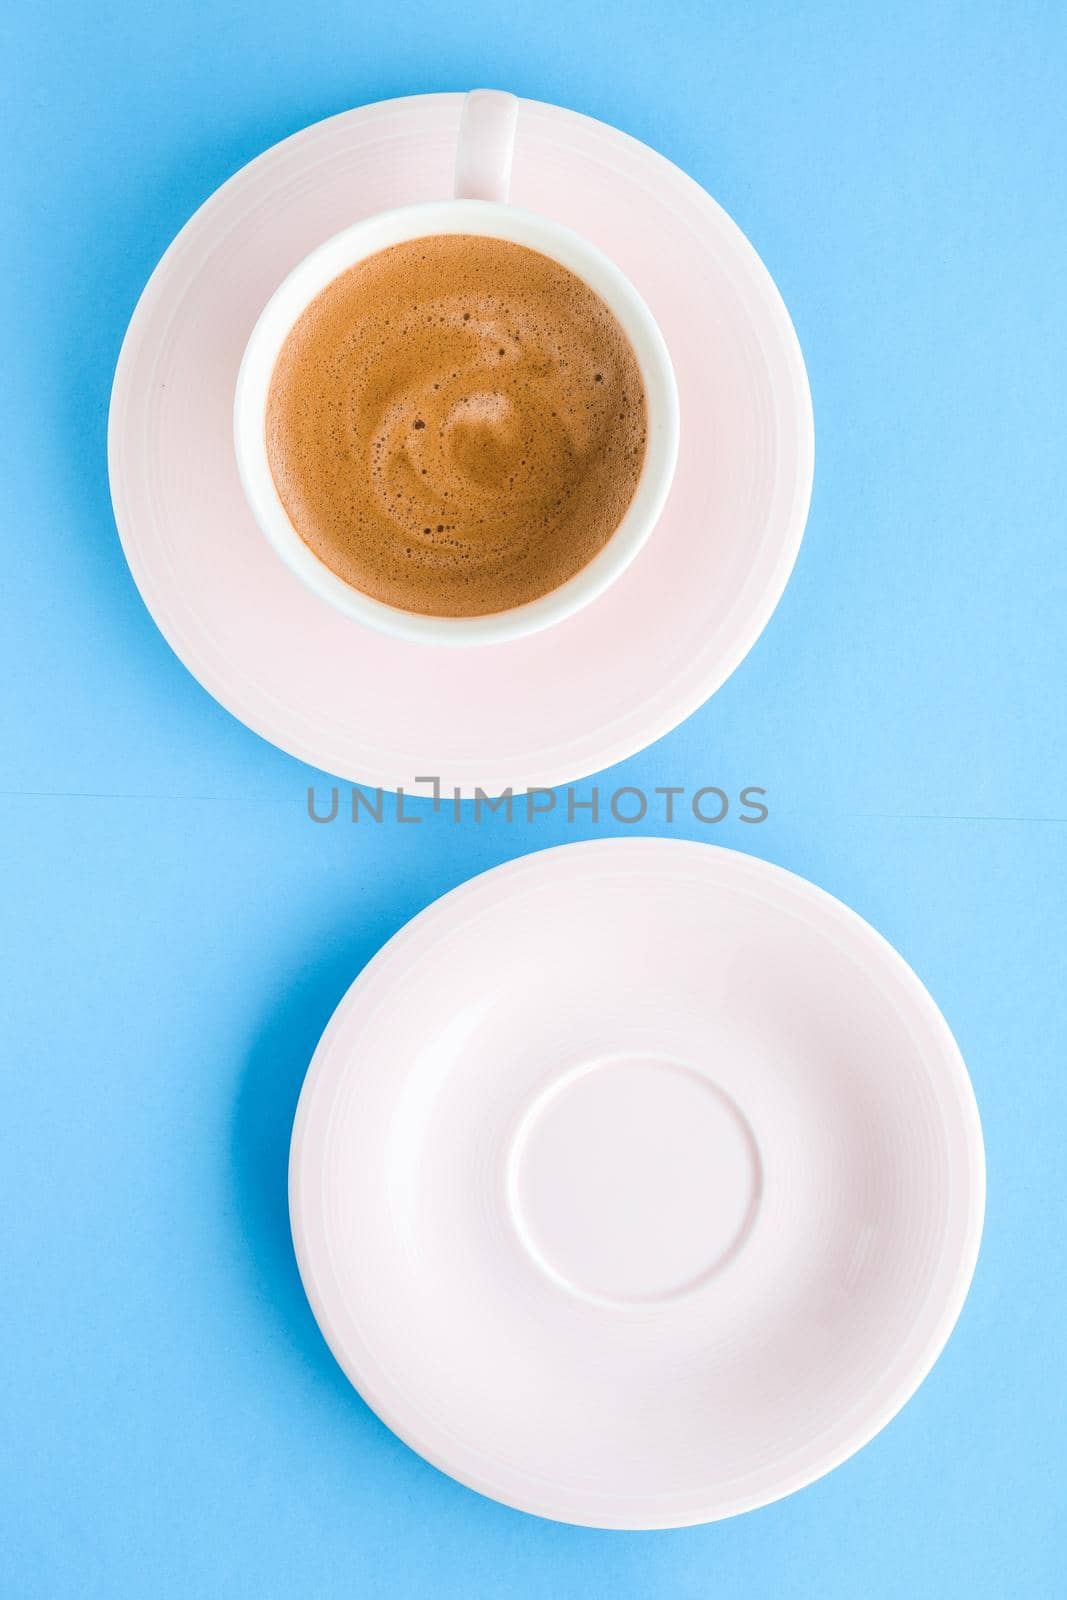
(530, 712)
(637, 1183)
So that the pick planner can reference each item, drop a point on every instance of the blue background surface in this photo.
(177, 932)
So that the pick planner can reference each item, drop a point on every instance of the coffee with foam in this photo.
(456, 425)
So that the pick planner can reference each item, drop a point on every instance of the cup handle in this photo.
(485, 144)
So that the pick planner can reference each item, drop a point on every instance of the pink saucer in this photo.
(536, 711)
(637, 1183)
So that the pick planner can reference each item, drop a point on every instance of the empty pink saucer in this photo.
(535, 711)
(637, 1183)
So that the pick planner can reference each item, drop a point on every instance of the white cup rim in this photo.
(487, 219)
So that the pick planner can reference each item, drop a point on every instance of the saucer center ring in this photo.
(633, 1179)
